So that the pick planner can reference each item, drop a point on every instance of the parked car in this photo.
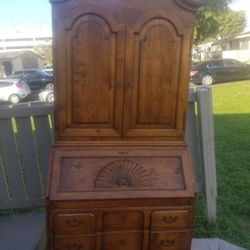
(219, 70)
(13, 90)
(35, 78)
(46, 96)
(48, 71)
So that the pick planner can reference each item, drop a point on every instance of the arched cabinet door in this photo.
(153, 76)
(90, 103)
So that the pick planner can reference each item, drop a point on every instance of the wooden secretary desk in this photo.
(120, 176)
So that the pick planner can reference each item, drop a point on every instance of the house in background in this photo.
(17, 60)
(237, 48)
(16, 53)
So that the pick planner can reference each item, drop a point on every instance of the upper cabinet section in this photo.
(121, 68)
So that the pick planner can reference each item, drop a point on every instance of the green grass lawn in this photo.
(231, 108)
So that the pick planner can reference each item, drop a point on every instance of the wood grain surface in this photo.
(120, 175)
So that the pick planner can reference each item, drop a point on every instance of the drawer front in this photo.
(77, 242)
(122, 241)
(123, 221)
(164, 220)
(74, 223)
(170, 241)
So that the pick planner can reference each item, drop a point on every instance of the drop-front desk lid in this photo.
(119, 172)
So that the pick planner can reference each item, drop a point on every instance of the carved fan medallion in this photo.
(123, 173)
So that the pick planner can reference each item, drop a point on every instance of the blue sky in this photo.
(33, 17)
(25, 17)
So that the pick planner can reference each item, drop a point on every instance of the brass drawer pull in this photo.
(167, 242)
(74, 246)
(74, 222)
(170, 219)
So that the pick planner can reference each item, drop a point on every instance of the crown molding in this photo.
(190, 5)
(58, 1)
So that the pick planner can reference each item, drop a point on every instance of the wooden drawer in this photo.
(74, 223)
(123, 221)
(164, 220)
(170, 241)
(122, 241)
(75, 242)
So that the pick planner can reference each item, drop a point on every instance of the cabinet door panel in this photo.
(154, 101)
(92, 105)
(92, 93)
(154, 50)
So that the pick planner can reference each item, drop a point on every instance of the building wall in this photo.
(19, 44)
(1, 70)
(245, 44)
(27, 60)
(240, 55)
(17, 64)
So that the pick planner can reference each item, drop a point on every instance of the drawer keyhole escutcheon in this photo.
(74, 246)
(127, 85)
(74, 222)
(167, 242)
(123, 219)
(170, 219)
(122, 243)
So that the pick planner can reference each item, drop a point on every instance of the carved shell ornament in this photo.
(123, 173)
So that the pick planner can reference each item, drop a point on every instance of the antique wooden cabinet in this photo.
(119, 174)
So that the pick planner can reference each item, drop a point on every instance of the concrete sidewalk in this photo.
(213, 244)
(21, 232)
(24, 232)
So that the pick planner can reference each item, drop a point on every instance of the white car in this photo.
(46, 96)
(13, 90)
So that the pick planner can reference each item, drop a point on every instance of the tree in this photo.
(231, 23)
(45, 51)
(206, 26)
(211, 21)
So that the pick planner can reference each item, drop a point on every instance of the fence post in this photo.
(192, 137)
(204, 99)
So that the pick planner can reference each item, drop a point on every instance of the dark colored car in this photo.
(219, 70)
(36, 79)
